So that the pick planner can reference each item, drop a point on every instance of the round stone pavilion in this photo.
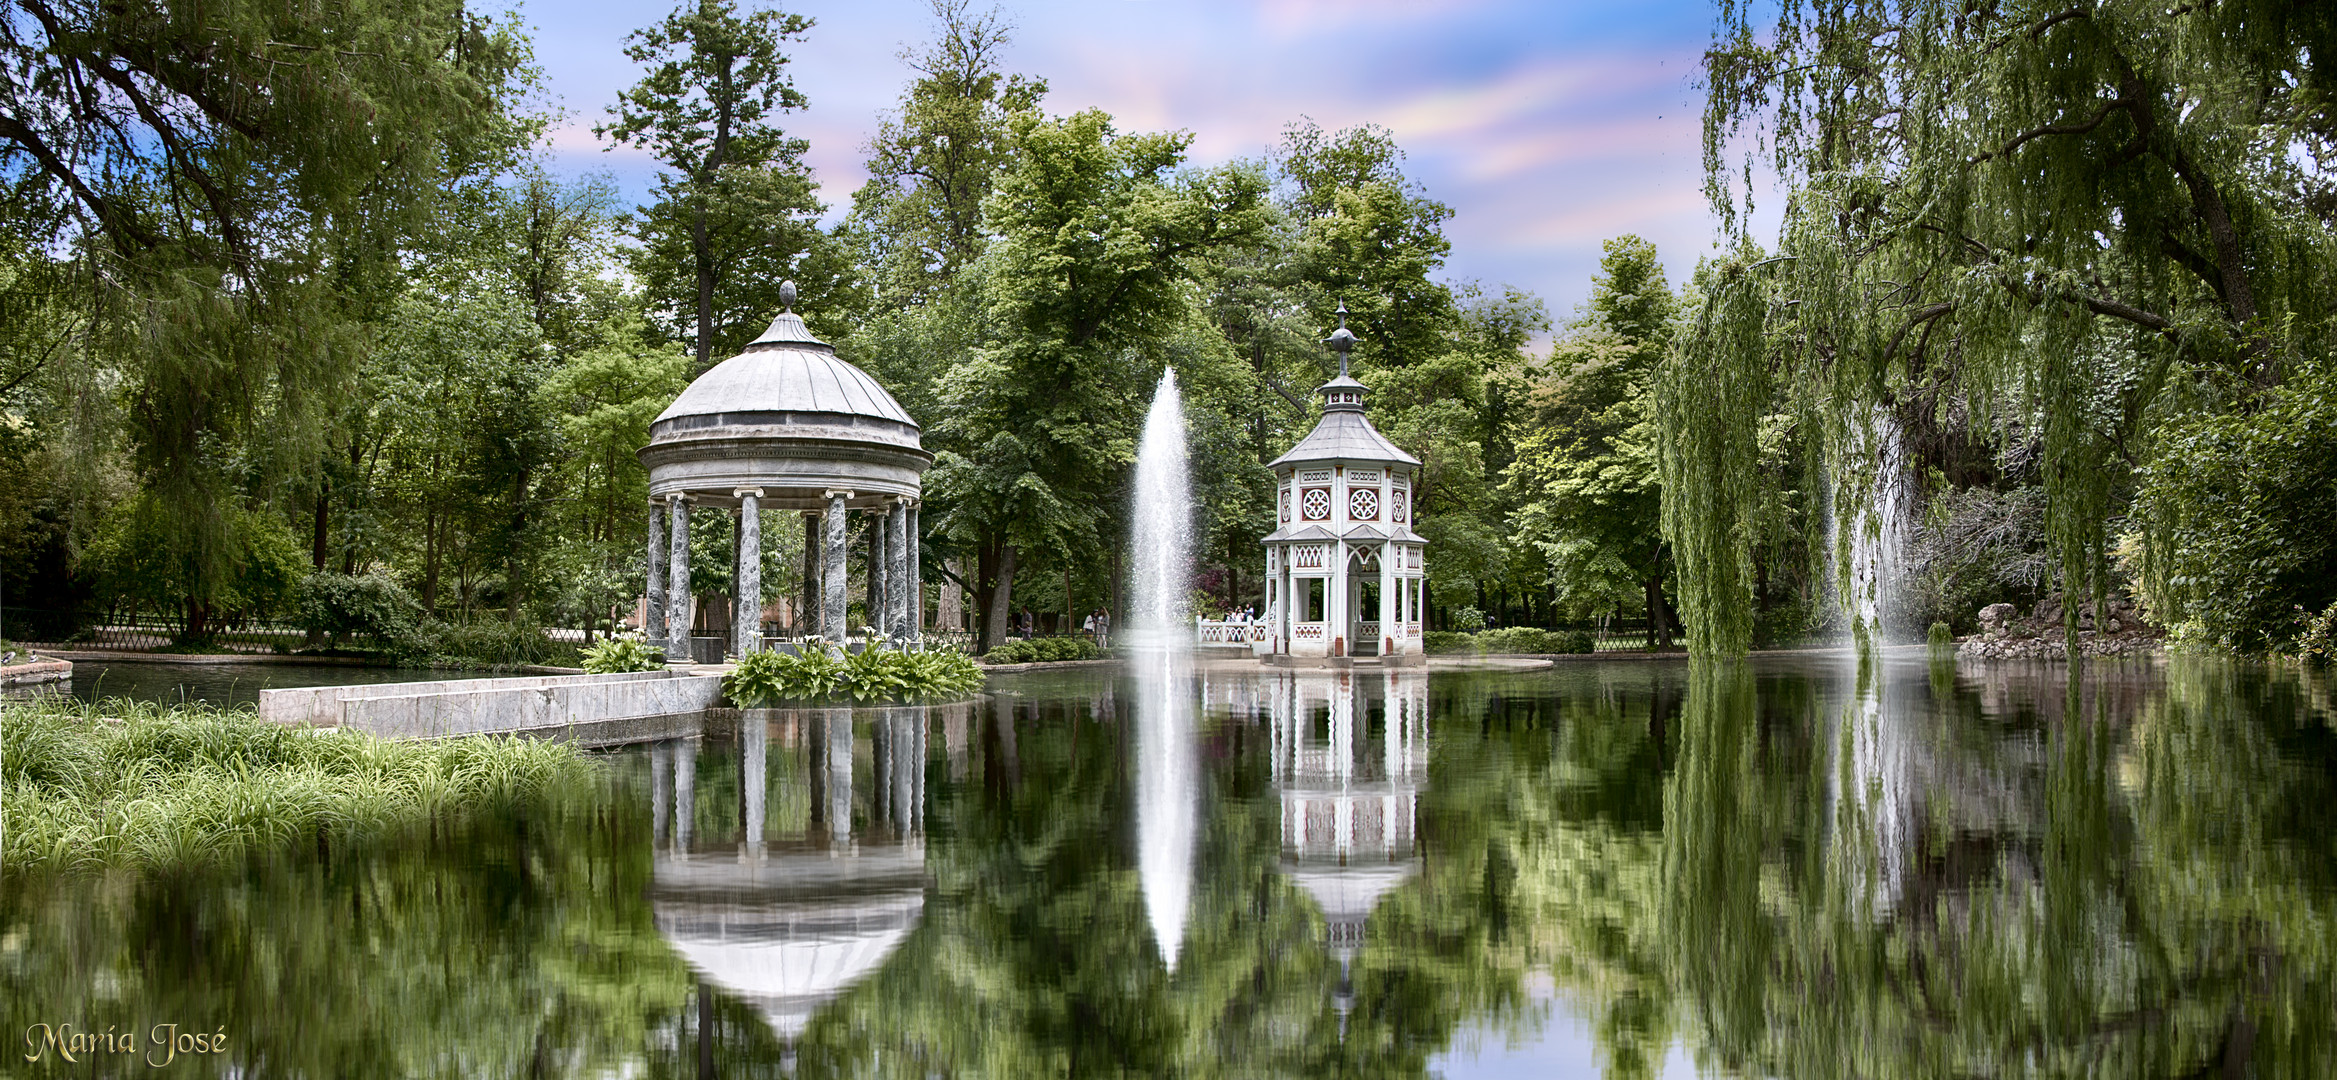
(786, 425)
(1344, 570)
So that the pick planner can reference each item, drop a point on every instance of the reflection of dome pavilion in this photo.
(1344, 572)
(1349, 809)
(792, 925)
(786, 425)
(789, 934)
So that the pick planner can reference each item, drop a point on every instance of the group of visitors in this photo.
(1097, 627)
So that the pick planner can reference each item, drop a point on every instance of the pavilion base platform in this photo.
(1342, 663)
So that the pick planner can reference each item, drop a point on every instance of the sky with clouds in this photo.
(1547, 127)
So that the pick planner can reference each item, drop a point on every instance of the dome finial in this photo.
(786, 295)
(1342, 339)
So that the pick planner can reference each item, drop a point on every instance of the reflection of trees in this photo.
(2149, 910)
(2131, 878)
(509, 948)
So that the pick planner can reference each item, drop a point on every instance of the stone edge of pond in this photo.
(125, 657)
(1050, 665)
(39, 669)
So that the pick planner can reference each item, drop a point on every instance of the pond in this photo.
(227, 683)
(1796, 868)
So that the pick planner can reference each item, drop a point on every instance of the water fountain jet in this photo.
(1160, 643)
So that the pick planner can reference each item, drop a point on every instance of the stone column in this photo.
(1389, 625)
(747, 626)
(754, 735)
(839, 762)
(685, 791)
(896, 571)
(916, 579)
(677, 590)
(661, 792)
(832, 571)
(876, 566)
(653, 609)
(807, 613)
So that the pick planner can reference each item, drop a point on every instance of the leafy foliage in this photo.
(820, 673)
(491, 644)
(2018, 222)
(1513, 640)
(621, 652)
(2240, 517)
(1039, 650)
(736, 215)
(343, 604)
(1586, 473)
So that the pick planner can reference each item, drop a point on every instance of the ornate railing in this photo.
(1225, 632)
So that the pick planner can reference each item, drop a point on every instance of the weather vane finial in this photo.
(1342, 339)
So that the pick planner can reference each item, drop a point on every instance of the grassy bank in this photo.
(139, 785)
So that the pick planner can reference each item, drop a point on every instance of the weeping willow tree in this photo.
(231, 185)
(2066, 226)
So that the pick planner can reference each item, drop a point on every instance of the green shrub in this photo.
(485, 644)
(1447, 642)
(622, 653)
(766, 678)
(1469, 618)
(1940, 636)
(342, 604)
(136, 784)
(2317, 642)
(1532, 640)
(1042, 650)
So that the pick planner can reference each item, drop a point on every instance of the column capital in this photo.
(680, 497)
(756, 492)
(833, 493)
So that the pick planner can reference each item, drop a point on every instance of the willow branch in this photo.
(2147, 319)
(2108, 107)
(1919, 318)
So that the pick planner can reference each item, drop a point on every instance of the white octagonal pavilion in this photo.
(1344, 570)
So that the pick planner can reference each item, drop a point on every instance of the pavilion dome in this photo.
(784, 373)
(788, 416)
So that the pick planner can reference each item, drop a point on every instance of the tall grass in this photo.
(140, 785)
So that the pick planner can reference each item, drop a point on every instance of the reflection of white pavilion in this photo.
(1350, 801)
(790, 924)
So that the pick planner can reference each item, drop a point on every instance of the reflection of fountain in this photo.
(1159, 541)
(1872, 501)
(1348, 815)
(1874, 816)
(789, 923)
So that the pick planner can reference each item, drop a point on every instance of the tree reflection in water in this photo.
(1780, 869)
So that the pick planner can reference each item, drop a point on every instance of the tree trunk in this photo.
(316, 539)
(1654, 590)
(1000, 607)
(430, 563)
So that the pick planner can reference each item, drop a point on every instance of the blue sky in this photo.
(1546, 126)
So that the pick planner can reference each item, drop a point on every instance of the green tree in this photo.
(933, 162)
(1586, 472)
(235, 217)
(737, 213)
(1100, 241)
